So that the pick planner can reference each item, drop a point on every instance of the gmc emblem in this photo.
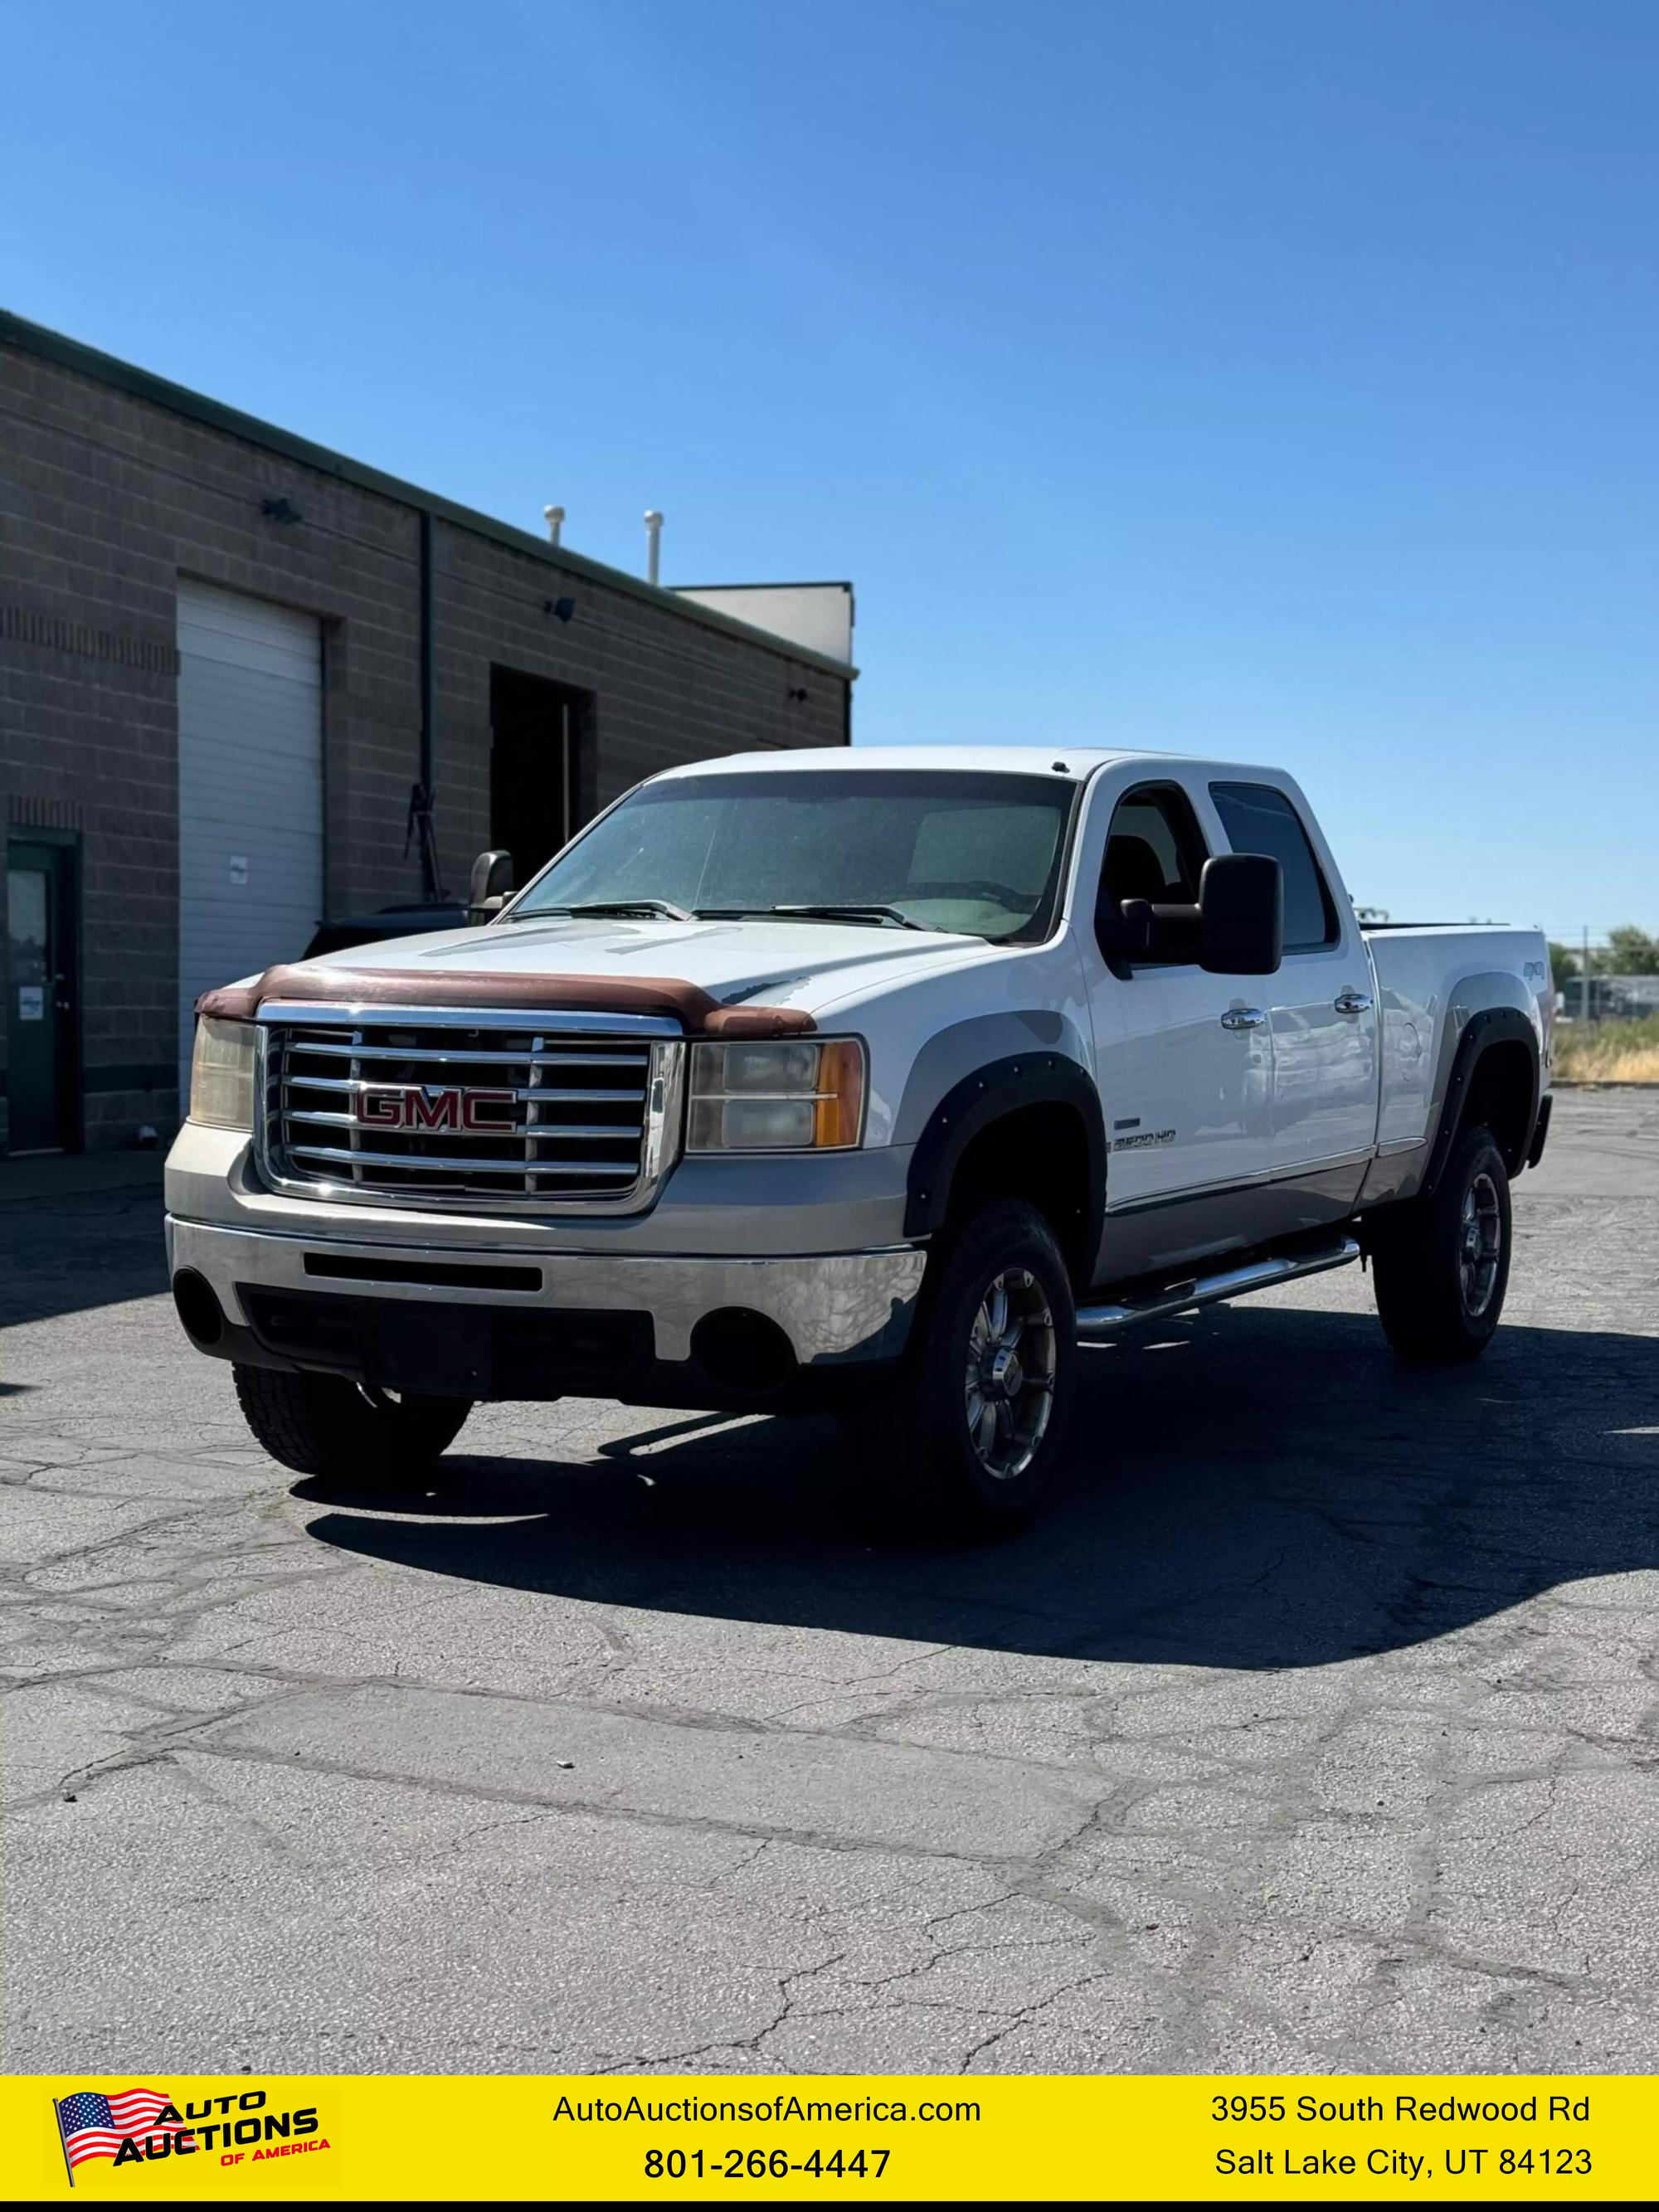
(438, 1106)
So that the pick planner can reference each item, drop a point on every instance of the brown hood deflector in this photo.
(697, 1013)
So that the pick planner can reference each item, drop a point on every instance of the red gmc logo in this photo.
(438, 1106)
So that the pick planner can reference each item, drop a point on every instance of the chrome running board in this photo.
(1094, 1323)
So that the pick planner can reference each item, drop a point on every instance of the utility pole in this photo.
(1583, 971)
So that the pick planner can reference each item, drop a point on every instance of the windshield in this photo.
(929, 849)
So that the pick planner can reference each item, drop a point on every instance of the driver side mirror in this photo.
(1242, 901)
(491, 885)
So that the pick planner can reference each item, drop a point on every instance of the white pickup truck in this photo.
(873, 1080)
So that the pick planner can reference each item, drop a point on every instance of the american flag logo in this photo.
(93, 2125)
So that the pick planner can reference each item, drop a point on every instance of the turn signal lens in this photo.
(839, 1106)
(776, 1097)
(221, 1075)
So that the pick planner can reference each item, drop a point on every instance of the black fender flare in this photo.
(1493, 1025)
(989, 1095)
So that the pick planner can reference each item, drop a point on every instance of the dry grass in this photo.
(1608, 1051)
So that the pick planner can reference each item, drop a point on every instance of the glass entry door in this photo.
(40, 995)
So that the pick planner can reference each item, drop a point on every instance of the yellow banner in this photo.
(829, 2137)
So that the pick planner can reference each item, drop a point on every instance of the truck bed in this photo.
(1428, 974)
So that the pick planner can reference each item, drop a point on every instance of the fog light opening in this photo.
(198, 1308)
(742, 1352)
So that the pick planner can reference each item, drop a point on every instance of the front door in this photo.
(1185, 1073)
(40, 995)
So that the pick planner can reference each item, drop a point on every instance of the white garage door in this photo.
(250, 790)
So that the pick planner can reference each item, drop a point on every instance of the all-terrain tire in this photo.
(1441, 1264)
(323, 1424)
(962, 1442)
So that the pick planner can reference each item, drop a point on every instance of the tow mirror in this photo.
(491, 886)
(1241, 900)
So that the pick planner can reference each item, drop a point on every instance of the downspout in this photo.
(426, 653)
(420, 798)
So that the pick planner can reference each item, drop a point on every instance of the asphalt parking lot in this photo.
(1311, 1731)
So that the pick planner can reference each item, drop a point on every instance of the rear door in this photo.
(1320, 1009)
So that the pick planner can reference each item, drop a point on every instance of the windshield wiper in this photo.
(853, 911)
(666, 908)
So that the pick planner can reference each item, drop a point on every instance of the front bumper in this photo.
(834, 1309)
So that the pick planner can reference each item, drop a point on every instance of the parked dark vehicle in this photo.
(389, 921)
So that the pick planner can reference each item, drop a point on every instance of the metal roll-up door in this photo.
(250, 791)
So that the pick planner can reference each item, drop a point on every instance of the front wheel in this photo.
(964, 1440)
(1441, 1264)
(323, 1424)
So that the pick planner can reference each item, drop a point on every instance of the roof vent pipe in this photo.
(555, 523)
(653, 544)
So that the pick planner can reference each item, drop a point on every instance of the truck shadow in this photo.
(1266, 1488)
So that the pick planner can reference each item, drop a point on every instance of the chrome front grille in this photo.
(439, 1108)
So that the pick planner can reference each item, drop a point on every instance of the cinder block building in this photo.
(227, 656)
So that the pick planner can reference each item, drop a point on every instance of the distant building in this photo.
(1612, 998)
(1628, 997)
(228, 654)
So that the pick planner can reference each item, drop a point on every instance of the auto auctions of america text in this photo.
(744, 2109)
(1403, 2161)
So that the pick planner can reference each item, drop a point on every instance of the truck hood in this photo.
(805, 964)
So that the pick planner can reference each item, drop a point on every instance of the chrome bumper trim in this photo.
(834, 1308)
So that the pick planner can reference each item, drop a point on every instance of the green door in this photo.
(40, 994)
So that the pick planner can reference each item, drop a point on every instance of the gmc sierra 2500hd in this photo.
(873, 1080)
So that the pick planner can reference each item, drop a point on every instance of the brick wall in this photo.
(666, 690)
(107, 496)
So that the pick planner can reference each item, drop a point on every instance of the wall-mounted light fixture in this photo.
(798, 693)
(563, 609)
(280, 510)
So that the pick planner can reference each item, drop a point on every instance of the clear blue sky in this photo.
(1275, 379)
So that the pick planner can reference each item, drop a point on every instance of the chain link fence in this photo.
(1607, 1005)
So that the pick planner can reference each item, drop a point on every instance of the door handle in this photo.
(1243, 1017)
(1352, 1002)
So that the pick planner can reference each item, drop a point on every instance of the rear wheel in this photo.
(964, 1441)
(1441, 1264)
(324, 1425)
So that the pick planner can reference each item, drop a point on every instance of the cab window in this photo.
(1259, 819)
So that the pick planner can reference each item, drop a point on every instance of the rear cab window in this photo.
(1257, 818)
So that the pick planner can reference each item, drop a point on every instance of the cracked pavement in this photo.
(1311, 1730)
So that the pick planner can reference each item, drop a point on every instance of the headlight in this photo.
(222, 1074)
(794, 1097)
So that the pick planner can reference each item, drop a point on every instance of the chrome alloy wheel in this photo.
(1480, 1245)
(1011, 1373)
